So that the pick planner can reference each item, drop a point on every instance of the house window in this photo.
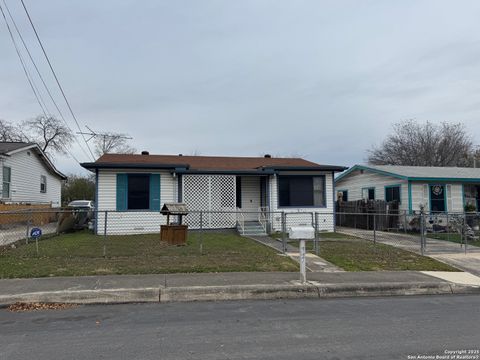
(437, 198)
(368, 193)
(238, 192)
(43, 184)
(342, 195)
(392, 193)
(7, 178)
(138, 191)
(300, 191)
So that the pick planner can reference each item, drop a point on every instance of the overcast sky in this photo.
(319, 79)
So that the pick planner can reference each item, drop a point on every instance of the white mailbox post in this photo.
(302, 233)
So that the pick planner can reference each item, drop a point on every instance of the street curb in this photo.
(238, 292)
(101, 296)
(311, 290)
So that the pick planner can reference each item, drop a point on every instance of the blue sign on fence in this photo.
(35, 233)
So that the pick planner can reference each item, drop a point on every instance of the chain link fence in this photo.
(420, 232)
(107, 233)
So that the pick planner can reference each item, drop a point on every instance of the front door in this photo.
(263, 192)
(437, 198)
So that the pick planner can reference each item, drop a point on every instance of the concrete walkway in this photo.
(314, 263)
(224, 286)
(445, 251)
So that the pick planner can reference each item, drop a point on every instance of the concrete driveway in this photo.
(445, 251)
(469, 262)
(15, 233)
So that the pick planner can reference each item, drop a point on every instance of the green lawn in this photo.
(354, 254)
(362, 255)
(81, 253)
(453, 237)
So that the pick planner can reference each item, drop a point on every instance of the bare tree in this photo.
(112, 143)
(10, 132)
(49, 133)
(424, 144)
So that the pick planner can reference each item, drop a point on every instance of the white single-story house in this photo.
(28, 176)
(438, 189)
(133, 187)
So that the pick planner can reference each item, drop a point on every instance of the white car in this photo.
(84, 213)
(82, 204)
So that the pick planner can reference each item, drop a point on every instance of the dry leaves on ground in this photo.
(19, 307)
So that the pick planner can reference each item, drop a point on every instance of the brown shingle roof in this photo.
(208, 163)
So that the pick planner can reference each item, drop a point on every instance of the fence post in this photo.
(374, 228)
(29, 222)
(105, 235)
(405, 221)
(317, 247)
(284, 232)
(422, 232)
(448, 228)
(201, 232)
(465, 233)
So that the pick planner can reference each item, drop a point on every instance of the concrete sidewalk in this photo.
(314, 263)
(223, 286)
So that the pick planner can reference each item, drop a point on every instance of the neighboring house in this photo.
(28, 176)
(134, 187)
(438, 189)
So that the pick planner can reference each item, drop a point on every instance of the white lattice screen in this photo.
(213, 194)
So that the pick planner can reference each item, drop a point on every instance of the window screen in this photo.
(43, 184)
(7, 177)
(342, 195)
(138, 192)
(392, 193)
(368, 194)
(299, 191)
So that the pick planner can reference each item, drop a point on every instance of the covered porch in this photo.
(252, 204)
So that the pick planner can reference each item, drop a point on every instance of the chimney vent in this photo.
(267, 156)
(145, 153)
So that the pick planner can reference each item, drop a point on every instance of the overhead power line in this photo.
(24, 67)
(104, 135)
(55, 76)
(27, 74)
(43, 82)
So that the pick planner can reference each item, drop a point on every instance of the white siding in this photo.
(421, 195)
(27, 168)
(355, 181)
(131, 222)
(250, 195)
(326, 214)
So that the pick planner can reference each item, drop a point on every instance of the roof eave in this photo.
(225, 172)
(441, 179)
(367, 168)
(333, 168)
(96, 165)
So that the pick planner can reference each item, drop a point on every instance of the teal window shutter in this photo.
(155, 192)
(122, 191)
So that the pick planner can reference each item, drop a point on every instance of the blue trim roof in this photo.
(391, 172)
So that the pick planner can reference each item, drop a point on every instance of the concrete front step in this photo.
(251, 228)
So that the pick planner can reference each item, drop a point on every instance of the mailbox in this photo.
(301, 233)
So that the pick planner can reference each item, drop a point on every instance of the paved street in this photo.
(366, 328)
